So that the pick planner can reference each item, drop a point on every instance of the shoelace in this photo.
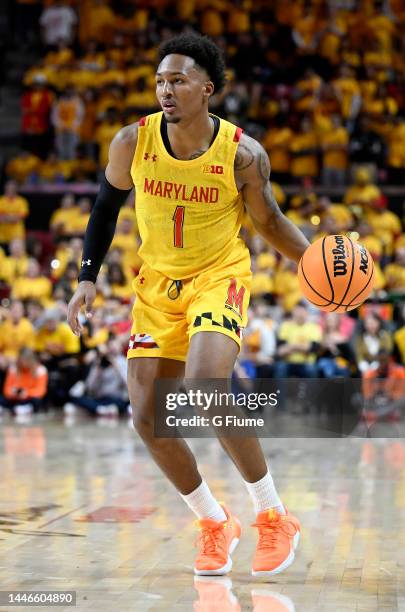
(270, 532)
(208, 540)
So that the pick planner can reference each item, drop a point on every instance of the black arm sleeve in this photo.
(101, 228)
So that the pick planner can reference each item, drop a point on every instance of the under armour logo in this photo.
(86, 262)
(148, 156)
(141, 280)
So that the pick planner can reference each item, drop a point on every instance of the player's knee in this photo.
(207, 369)
(143, 424)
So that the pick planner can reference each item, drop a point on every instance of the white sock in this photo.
(264, 494)
(202, 502)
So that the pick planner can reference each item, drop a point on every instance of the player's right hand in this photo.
(85, 294)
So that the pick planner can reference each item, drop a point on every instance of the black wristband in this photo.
(101, 228)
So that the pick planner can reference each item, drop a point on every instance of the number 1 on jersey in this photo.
(178, 219)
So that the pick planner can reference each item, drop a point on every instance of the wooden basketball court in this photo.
(83, 508)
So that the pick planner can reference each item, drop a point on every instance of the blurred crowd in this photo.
(323, 87)
(323, 90)
(285, 337)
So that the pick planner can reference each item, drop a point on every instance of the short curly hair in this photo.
(204, 52)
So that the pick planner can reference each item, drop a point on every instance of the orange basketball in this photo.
(336, 274)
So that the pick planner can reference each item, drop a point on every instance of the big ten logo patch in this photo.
(234, 300)
(213, 169)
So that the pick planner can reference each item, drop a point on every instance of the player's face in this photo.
(182, 89)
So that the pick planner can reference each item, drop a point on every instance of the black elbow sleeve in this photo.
(101, 228)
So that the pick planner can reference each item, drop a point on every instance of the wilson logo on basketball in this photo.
(363, 260)
(339, 261)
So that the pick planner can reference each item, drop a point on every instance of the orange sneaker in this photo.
(217, 542)
(279, 535)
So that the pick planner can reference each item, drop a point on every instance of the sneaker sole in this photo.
(220, 571)
(285, 564)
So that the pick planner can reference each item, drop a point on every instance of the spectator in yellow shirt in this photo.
(124, 259)
(32, 285)
(95, 332)
(304, 149)
(53, 170)
(23, 168)
(286, 285)
(305, 30)
(341, 215)
(298, 345)
(395, 272)
(35, 311)
(120, 285)
(381, 105)
(88, 124)
(66, 252)
(16, 332)
(13, 210)
(105, 133)
(79, 222)
(16, 264)
(127, 211)
(334, 145)
(262, 284)
(63, 55)
(54, 338)
(67, 284)
(382, 28)
(363, 193)
(330, 44)
(112, 75)
(384, 223)
(59, 350)
(396, 151)
(82, 168)
(211, 22)
(348, 92)
(238, 19)
(92, 58)
(111, 96)
(97, 21)
(266, 260)
(62, 217)
(349, 54)
(126, 240)
(140, 99)
(277, 142)
(306, 91)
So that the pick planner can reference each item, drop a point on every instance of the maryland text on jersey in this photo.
(177, 191)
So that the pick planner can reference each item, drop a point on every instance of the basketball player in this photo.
(193, 173)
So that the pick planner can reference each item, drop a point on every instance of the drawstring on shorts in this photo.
(173, 291)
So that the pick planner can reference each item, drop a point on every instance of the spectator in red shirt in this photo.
(36, 106)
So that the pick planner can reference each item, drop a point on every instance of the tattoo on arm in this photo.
(243, 158)
(263, 167)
